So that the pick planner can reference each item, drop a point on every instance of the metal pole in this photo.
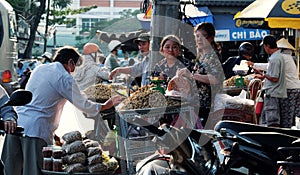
(164, 21)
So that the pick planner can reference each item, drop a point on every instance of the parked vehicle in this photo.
(181, 152)
(251, 147)
(232, 148)
(290, 165)
(8, 47)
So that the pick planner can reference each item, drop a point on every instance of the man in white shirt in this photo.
(51, 85)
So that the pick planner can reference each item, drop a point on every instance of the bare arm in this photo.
(119, 70)
(207, 79)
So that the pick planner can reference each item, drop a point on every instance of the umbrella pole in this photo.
(297, 50)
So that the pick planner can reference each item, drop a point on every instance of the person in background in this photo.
(90, 73)
(51, 85)
(289, 106)
(246, 51)
(274, 83)
(8, 115)
(20, 68)
(101, 60)
(141, 68)
(111, 61)
(208, 71)
(46, 58)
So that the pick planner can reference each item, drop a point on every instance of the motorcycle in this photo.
(17, 98)
(290, 165)
(251, 147)
(232, 148)
(178, 151)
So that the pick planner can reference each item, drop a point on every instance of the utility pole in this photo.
(164, 21)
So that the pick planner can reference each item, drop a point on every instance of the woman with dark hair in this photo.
(52, 86)
(208, 71)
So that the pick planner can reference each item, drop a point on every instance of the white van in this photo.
(8, 46)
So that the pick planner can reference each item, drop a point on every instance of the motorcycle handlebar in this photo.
(19, 130)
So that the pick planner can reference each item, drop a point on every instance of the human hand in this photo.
(113, 73)
(259, 76)
(10, 126)
(184, 72)
(250, 63)
(197, 77)
(257, 71)
(115, 100)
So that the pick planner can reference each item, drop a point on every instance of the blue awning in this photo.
(203, 15)
(227, 31)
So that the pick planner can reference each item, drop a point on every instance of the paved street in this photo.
(72, 119)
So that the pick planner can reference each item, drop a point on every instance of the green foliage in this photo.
(59, 16)
(128, 13)
(61, 4)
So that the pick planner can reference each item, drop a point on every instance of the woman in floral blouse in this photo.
(208, 72)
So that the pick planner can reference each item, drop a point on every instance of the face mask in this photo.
(120, 53)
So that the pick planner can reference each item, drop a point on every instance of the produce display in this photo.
(102, 92)
(78, 155)
(145, 97)
(231, 81)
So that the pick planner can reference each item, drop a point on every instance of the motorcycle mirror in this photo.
(18, 98)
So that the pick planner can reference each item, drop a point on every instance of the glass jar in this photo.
(47, 152)
(47, 164)
(57, 153)
(57, 165)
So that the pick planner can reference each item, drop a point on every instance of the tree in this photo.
(32, 13)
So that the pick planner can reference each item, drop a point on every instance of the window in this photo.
(12, 25)
(1, 30)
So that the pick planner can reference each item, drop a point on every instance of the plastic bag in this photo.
(179, 86)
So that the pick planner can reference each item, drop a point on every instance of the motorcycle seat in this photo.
(270, 140)
(248, 127)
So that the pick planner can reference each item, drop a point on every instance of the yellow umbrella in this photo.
(270, 14)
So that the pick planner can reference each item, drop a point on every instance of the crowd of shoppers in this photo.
(54, 83)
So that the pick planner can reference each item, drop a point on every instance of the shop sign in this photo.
(240, 34)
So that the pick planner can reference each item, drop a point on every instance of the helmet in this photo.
(89, 48)
(246, 48)
(113, 44)
(47, 55)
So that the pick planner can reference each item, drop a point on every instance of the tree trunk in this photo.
(33, 29)
(46, 26)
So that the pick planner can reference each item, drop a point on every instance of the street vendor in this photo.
(246, 51)
(170, 48)
(141, 68)
(51, 85)
(208, 72)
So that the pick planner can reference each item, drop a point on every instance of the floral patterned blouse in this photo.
(209, 64)
(168, 72)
